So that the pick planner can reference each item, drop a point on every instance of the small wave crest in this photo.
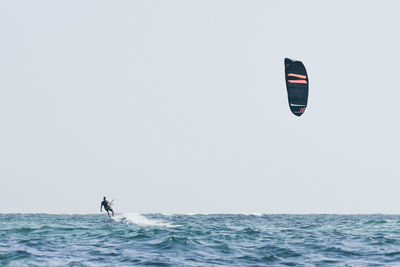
(139, 219)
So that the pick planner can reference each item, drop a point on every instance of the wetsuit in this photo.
(106, 205)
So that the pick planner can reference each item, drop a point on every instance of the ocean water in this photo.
(199, 240)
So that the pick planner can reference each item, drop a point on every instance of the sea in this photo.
(132, 239)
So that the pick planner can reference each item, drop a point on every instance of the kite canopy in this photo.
(297, 86)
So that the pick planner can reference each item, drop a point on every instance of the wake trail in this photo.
(139, 219)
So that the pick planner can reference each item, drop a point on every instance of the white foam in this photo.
(138, 219)
(205, 213)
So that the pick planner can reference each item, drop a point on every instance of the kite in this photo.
(296, 85)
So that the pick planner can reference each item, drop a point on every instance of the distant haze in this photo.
(181, 106)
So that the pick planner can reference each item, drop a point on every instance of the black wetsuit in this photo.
(106, 205)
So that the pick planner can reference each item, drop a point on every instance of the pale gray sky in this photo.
(181, 106)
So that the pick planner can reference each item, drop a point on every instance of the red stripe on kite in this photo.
(297, 81)
(297, 76)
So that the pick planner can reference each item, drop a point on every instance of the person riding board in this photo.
(107, 207)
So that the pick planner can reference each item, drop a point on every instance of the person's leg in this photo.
(108, 214)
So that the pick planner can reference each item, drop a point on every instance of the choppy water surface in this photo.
(199, 240)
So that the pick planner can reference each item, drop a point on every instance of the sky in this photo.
(181, 106)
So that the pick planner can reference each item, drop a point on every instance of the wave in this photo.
(139, 219)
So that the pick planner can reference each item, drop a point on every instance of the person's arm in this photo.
(101, 207)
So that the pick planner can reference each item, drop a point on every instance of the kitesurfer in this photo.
(107, 207)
